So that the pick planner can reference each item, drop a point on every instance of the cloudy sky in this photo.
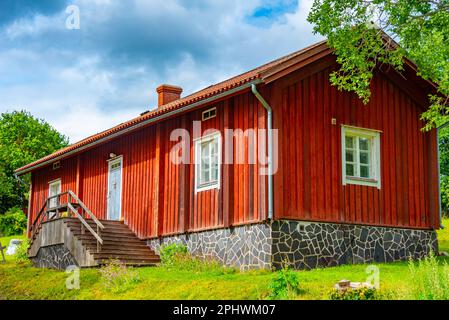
(86, 80)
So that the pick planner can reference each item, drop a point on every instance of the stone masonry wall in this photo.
(54, 257)
(311, 245)
(304, 245)
(245, 247)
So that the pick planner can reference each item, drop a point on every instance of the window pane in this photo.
(350, 170)
(209, 162)
(364, 144)
(364, 157)
(364, 171)
(349, 156)
(350, 142)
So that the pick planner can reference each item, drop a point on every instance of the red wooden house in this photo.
(351, 183)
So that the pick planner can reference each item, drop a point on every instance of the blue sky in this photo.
(86, 80)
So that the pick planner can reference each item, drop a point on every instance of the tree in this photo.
(23, 139)
(356, 29)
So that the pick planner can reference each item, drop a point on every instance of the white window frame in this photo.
(50, 185)
(206, 115)
(374, 138)
(197, 143)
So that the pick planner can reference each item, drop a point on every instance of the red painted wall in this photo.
(309, 185)
(158, 197)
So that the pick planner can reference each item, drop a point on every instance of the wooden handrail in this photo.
(91, 215)
(44, 211)
(86, 225)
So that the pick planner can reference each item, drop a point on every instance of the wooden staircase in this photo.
(91, 241)
(119, 242)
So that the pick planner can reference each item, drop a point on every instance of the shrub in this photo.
(363, 293)
(430, 280)
(13, 222)
(284, 285)
(168, 252)
(117, 277)
(21, 254)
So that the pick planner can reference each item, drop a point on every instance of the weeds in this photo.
(21, 254)
(117, 277)
(284, 285)
(176, 257)
(429, 279)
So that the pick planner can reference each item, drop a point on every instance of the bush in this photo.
(363, 293)
(117, 277)
(285, 284)
(13, 222)
(21, 254)
(168, 252)
(430, 280)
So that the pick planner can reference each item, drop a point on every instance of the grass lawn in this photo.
(22, 281)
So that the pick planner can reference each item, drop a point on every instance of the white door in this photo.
(54, 189)
(115, 189)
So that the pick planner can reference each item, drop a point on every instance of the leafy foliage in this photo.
(356, 29)
(13, 222)
(284, 285)
(117, 277)
(429, 279)
(23, 139)
(363, 293)
(168, 252)
(21, 254)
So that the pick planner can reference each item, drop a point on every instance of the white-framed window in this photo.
(54, 188)
(360, 156)
(209, 114)
(207, 162)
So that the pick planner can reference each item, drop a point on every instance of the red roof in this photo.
(198, 96)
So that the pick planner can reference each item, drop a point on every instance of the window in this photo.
(361, 156)
(209, 114)
(207, 162)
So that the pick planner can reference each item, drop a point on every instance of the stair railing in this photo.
(52, 210)
(81, 217)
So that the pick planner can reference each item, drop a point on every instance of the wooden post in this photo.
(3, 254)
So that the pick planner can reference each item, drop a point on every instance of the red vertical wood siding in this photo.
(158, 196)
(311, 155)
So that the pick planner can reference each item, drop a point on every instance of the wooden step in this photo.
(124, 258)
(119, 242)
(131, 263)
(106, 238)
(115, 244)
(123, 251)
(106, 232)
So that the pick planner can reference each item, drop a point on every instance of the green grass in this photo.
(22, 281)
(5, 242)
(443, 236)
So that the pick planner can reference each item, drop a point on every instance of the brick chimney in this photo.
(167, 93)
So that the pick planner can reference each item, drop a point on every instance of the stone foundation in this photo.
(54, 257)
(245, 247)
(304, 245)
(311, 245)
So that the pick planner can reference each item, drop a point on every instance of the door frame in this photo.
(110, 163)
(50, 184)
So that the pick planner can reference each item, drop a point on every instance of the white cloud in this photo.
(84, 81)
